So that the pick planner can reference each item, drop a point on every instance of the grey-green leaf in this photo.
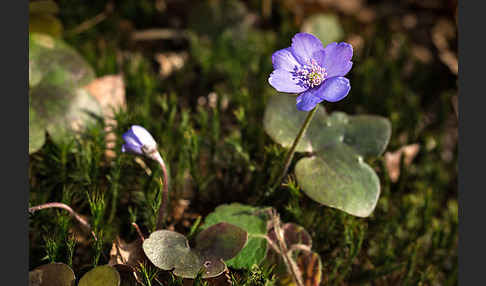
(170, 250)
(104, 275)
(253, 221)
(366, 134)
(282, 122)
(338, 177)
(53, 274)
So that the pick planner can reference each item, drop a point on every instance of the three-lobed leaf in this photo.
(170, 250)
(57, 102)
(253, 221)
(336, 175)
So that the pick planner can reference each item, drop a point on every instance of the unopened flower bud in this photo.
(139, 141)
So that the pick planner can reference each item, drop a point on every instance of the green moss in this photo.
(220, 154)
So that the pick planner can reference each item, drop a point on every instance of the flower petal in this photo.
(308, 100)
(132, 144)
(304, 46)
(144, 136)
(283, 59)
(333, 89)
(336, 59)
(284, 81)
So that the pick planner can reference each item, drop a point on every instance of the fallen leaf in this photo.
(126, 253)
(393, 159)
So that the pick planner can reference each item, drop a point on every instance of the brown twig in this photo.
(157, 34)
(88, 24)
(81, 220)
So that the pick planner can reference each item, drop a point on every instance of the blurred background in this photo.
(195, 74)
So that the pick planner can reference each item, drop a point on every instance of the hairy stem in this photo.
(165, 191)
(81, 220)
(291, 152)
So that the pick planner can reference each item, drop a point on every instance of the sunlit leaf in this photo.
(344, 181)
(253, 221)
(54, 62)
(104, 275)
(64, 110)
(336, 174)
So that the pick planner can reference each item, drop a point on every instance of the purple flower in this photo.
(139, 141)
(315, 72)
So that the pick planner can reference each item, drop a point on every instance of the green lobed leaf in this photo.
(53, 61)
(170, 250)
(253, 222)
(336, 175)
(53, 274)
(104, 275)
(63, 110)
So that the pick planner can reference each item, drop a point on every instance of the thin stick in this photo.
(157, 34)
(90, 23)
(81, 220)
(291, 152)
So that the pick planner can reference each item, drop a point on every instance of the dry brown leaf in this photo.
(126, 253)
(393, 159)
(110, 93)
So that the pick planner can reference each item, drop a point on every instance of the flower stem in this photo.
(291, 152)
(165, 191)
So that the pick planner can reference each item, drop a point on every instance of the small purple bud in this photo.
(139, 141)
